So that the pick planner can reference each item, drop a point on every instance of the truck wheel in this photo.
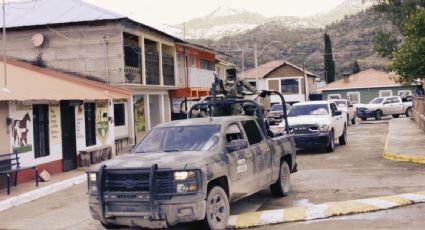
(396, 115)
(343, 137)
(281, 187)
(363, 118)
(110, 226)
(331, 147)
(409, 112)
(378, 115)
(218, 209)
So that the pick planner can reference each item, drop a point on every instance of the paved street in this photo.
(354, 171)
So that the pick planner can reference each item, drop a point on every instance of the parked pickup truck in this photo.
(190, 170)
(345, 105)
(317, 124)
(383, 106)
(276, 113)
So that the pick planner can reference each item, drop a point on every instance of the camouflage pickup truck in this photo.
(190, 170)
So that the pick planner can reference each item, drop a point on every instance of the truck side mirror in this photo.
(236, 145)
(337, 113)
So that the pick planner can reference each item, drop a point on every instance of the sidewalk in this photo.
(27, 192)
(405, 141)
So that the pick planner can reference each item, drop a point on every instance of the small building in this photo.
(364, 86)
(50, 117)
(284, 77)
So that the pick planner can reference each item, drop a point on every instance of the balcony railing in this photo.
(133, 75)
(200, 78)
(168, 69)
(152, 67)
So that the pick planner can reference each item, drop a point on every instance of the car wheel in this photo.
(281, 187)
(331, 146)
(409, 112)
(343, 138)
(218, 209)
(396, 115)
(353, 121)
(378, 115)
(363, 118)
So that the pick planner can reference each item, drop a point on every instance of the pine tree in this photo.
(329, 61)
(356, 67)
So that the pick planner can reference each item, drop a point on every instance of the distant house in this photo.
(364, 86)
(282, 76)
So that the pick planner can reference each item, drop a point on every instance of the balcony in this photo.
(133, 75)
(168, 69)
(200, 78)
(152, 67)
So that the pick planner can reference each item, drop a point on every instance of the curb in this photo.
(320, 211)
(400, 157)
(41, 192)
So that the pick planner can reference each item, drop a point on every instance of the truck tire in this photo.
(331, 146)
(218, 209)
(281, 187)
(378, 115)
(363, 118)
(409, 112)
(343, 138)
(110, 226)
(396, 115)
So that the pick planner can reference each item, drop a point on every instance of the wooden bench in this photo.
(118, 143)
(7, 162)
(95, 155)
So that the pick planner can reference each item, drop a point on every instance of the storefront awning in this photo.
(26, 82)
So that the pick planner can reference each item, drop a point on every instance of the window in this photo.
(40, 115)
(193, 58)
(252, 131)
(119, 114)
(253, 83)
(354, 97)
(404, 93)
(208, 65)
(289, 86)
(334, 96)
(333, 109)
(273, 85)
(233, 133)
(89, 117)
(385, 93)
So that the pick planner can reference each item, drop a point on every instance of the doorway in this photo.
(69, 149)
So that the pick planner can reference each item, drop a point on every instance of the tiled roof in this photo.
(364, 79)
(268, 67)
(28, 82)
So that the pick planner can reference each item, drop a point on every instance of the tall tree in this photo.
(356, 67)
(329, 61)
(409, 59)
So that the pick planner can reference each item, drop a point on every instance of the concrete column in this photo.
(147, 113)
(176, 67)
(131, 124)
(162, 108)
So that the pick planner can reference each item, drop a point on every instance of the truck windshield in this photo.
(278, 107)
(313, 109)
(180, 138)
(341, 103)
(377, 100)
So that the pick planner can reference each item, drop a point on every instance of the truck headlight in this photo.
(92, 182)
(184, 175)
(186, 181)
(324, 128)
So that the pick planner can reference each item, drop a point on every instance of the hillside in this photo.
(225, 21)
(351, 40)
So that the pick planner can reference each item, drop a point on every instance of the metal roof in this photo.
(27, 82)
(45, 12)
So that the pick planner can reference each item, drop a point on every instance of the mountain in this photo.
(351, 40)
(225, 21)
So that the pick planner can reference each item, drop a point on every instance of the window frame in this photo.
(246, 132)
(405, 90)
(384, 91)
(41, 151)
(334, 94)
(358, 97)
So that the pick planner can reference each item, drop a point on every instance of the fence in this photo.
(419, 111)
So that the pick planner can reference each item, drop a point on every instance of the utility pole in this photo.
(4, 47)
(256, 65)
(306, 93)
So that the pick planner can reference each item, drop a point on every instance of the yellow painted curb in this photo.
(400, 157)
(321, 211)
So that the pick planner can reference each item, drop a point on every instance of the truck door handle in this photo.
(248, 155)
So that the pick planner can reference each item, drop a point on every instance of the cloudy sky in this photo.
(155, 12)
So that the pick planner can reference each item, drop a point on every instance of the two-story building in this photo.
(284, 77)
(76, 37)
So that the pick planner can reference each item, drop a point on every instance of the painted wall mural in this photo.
(102, 126)
(21, 127)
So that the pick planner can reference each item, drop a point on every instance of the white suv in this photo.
(317, 124)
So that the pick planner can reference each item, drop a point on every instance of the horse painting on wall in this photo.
(20, 129)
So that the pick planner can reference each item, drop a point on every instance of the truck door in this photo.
(261, 153)
(241, 163)
(387, 106)
(338, 120)
(397, 105)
